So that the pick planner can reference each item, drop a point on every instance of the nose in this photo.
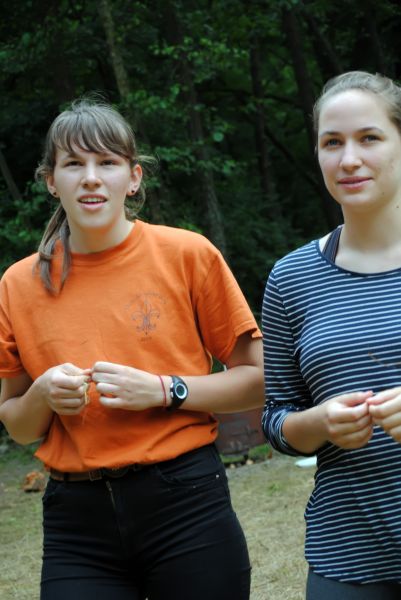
(350, 158)
(90, 176)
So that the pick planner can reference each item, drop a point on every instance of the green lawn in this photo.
(269, 498)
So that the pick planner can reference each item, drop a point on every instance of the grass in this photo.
(20, 526)
(269, 498)
(256, 454)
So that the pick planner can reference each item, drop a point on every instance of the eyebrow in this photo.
(361, 130)
(76, 155)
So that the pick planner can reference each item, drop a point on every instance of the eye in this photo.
(109, 161)
(331, 143)
(371, 137)
(72, 163)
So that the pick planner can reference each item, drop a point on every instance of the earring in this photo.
(54, 194)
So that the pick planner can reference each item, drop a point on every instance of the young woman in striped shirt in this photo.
(332, 335)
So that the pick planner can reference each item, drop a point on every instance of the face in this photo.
(92, 188)
(359, 151)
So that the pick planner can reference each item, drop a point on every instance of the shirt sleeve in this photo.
(285, 388)
(10, 363)
(222, 311)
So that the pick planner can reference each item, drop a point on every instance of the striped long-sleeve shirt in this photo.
(328, 331)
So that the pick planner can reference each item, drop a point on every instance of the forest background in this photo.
(220, 91)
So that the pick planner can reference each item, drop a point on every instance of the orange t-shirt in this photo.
(163, 301)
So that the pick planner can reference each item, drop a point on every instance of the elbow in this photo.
(259, 388)
(256, 395)
(21, 437)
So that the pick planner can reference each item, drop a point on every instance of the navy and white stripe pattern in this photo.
(328, 331)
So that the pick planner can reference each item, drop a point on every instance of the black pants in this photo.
(165, 532)
(322, 588)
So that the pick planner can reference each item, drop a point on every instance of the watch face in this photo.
(181, 391)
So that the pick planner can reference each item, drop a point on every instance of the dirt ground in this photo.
(269, 498)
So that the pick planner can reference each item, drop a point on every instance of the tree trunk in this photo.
(306, 97)
(325, 53)
(370, 12)
(11, 185)
(265, 172)
(305, 92)
(124, 88)
(117, 62)
(175, 36)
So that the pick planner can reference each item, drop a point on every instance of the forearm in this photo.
(305, 430)
(26, 417)
(237, 389)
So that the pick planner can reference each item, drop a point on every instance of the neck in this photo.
(97, 240)
(370, 243)
(373, 231)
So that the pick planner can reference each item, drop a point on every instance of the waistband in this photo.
(115, 473)
(96, 474)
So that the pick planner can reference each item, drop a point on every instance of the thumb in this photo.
(355, 398)
(381, 397)
(70, 369)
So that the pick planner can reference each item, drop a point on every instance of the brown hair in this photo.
(377, 84)
(94, 126)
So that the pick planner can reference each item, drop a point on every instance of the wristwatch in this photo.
(178, 392)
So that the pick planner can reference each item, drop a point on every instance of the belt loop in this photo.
(95, 475)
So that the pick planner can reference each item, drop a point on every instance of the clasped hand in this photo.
(385, 410)
(65, 387)
(349, 418)
(347, 421)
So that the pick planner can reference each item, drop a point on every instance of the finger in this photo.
(112, 402)
(357, 439)
(107, 388)
(62, 404)
(355, 398)
(385, 396)
(69, 382)
(395, 433)
(389, 423)
(337, 429)
(338, 414)
(106, 367)
(363, 422)
(385, 408)
(70, 369)
(62, 394)
(102, 377)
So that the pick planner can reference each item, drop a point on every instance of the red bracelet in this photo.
(164, 391)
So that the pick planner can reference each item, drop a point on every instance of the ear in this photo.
(50, 186)
(136, 178)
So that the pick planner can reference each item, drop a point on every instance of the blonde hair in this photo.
(94, 126)
(379, 85)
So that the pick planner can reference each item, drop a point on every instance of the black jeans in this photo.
(165, 532)
(318, 588)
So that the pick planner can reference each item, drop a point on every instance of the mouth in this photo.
(92, 200)
(353, 183)
(353, 180)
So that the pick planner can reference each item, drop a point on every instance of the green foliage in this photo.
(23, 222)
(195, 100)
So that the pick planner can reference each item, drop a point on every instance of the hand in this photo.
(124, 387)
(385, 410)
(64, 388)
(347, 420)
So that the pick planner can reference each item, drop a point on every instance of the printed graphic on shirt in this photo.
(145, 312)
